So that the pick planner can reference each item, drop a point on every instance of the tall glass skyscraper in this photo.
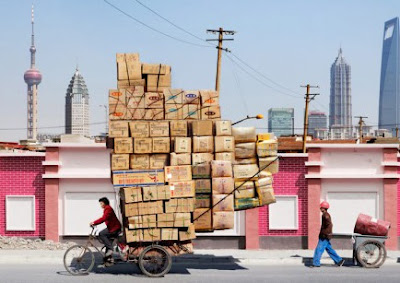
(316, 120)
(280, 121)
(389, 94)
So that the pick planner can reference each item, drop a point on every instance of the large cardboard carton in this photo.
(201, 171)
(173, 111)
(191, 97)
(155, 207)
(133, 66)
(159, 129)
(169, 234)
(135, 222)
(153, 100)
(188, 234)
(202, 219)
(203, 201)
(191, 112)
(149, 221)
(165, 220)
(143, 145)
(127, 84)
(269, 164)
(202, 158)
(133, 236)
(139, 129)
(226, 156)
(116, 96)
(186, 204)
(266, 195)
(135, 101)
(117, 112)
(159, 81)
(178, 173)
(173, 96)
(183, 145)
(131, 194)
(140, 161)
(245, 185)
(118, 129)
(155, 69)
(245, 150)
(221, 168)
(158, 161)
(202, 128)
(184, 189)
(267, 148)
(209, 97)
(223, 128)
(135, 113)
(161, 145)
(203, 186)
(119, 161)
(224, 144)
(135, 209)
(177, 159)
(210, 113)
(223, 220)
(245, 171)
(224, 185)
(130, 178)
(150, 193)
(244, 134)
(245, 161)
(179, 128)
(159, 89)
(182, 219)
(123, 145)
(122, 70)
(153, 114)
(222, 202)
(265, 180)
(151, 235)
(203, 144)
(163, 193)
(246, 203)
(265, 136)
(244, 194)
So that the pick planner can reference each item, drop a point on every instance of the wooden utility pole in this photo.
(220, 39)
(308, 98)
(360, 126)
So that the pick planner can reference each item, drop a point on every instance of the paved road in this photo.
(203, 273)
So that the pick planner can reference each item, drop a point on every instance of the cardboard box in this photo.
(226, 156)
(202, 186)
(153, 100)
(183, 145)
(190, 112)
(264, 181)
(271, 162)
(155, 69)
(244, 194)
(159, 81)
(245, 171)
(155, 207)
(267, 148)
(179, 128)
(245, 150)
(245, 161)
(173, 96)
(135, 113)
(120, 161)
(202, 158)
(161, 145)
(169, 234)
(122, 70)
(222, 202)
(163, 193)
(173, 111)
(191, 97)
(133, 236)
(220, 168)
(129, 178)
(244, 134)
(149, 221)
(135, 209)
(182, 219)
(142, 145)
(246, 203)
(224, 144)
(126, 84)
(165, 220)
(118, 129)
(135, 101)
(179, 205)
(131, 194)
(203, 201)
(153, 114)
(188, 234)
(159, 89)
(116, 97)
(224, 185)
(245, 185)
(171, 206)
(135, 222)
(209, 97)
(150, 193)
(201, 171)
(123, 145)
(178, 159)
(210, 113)
(202, 219)
(265, 136)
(159, 129)
(139, 129)
(266, 195)
(117, 112)
(151, 235)
(203, 144)
(223, 128)
(223, 220)
(202, 128)
(182, 189)
(158, 161)
(133, 66)
(178, 173)
(140, 161)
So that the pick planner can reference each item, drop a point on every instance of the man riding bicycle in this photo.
(112, 223)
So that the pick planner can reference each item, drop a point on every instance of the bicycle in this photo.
(153, 259)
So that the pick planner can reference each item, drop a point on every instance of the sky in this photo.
(289, 42)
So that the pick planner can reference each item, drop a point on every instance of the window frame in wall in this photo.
(9, 214)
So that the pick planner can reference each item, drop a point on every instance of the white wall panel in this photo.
(20, 213)
(283, 215)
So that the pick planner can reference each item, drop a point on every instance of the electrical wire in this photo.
(239, 90)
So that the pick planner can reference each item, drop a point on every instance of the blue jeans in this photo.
(325, 244)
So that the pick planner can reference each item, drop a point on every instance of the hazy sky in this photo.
(291, 42)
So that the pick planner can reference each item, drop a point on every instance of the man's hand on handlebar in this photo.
(91, 224)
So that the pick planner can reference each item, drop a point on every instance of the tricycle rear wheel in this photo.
(155, 261)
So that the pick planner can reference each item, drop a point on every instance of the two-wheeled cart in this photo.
(369, 251)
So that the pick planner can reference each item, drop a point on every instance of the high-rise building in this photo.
(77, 106)
(281, 121)
(340, 107)
(389, 94)
(317, 120)
(32, 78)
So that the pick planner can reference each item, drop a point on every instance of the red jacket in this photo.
(110, 219)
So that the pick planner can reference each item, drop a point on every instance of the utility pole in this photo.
(397, 131)
(308, 98)
(360, 125)
(220, 39)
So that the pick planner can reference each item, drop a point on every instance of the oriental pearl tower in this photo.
(32, 78)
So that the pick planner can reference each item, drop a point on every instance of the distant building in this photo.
(317, 120)
(77, 106)
(389, 94)
(340, 107)
(281, 121)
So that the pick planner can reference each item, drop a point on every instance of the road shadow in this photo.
(348, 262)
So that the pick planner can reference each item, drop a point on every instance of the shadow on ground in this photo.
(348, 262)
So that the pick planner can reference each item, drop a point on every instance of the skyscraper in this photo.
(389, 94)
(281, 121)
(340, 107)
(77, 106)
(32, 78)
(316, 120)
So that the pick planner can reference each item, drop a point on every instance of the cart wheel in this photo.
(155, 261)
(371, 254)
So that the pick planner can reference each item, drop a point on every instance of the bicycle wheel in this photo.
(79, 260)
(371, 254)
(155, 261)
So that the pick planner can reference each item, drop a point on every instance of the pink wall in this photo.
(289, 181)
(22, 175)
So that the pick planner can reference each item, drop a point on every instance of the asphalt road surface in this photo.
(231, 272)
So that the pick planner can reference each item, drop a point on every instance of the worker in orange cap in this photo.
(325, 236)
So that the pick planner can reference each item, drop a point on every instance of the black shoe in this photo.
(340, 263)
(312, 266)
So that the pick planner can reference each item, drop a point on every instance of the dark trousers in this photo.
(105, 236)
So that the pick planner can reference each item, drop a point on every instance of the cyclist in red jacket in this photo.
(112, 222)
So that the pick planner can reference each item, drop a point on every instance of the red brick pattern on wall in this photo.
(289, 181)
(22, 176)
